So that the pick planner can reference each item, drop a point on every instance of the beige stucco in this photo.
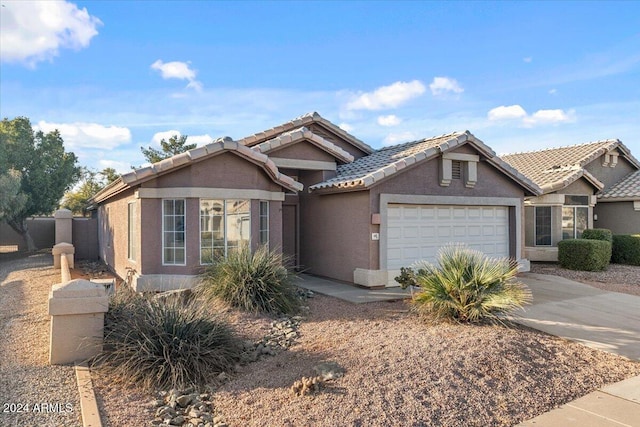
(619, 217)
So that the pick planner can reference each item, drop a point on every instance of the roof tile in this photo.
(627, 188)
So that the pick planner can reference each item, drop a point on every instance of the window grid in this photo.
(173, 232)
(224, 225)
(264, 222)
(575, 220)
(132, 246)
(542, 218)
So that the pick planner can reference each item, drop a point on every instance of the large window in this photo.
(132, 243)
(173, 247)
(543, 225)
(575, 216)
(224, 225)
(264, 222)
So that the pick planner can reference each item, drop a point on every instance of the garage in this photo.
(417, 232)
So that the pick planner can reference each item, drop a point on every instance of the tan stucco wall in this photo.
(303, 150)
(619, 217)
(577, 188)
(607, 175)
(113, 233)
(330, 136)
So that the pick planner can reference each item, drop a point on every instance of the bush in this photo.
(164, 343)
(626, 249)
(584, 254)
(256, 282)
(467, 286)
(598, 234)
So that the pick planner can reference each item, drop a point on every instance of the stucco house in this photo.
(592, 185)
(339, 208)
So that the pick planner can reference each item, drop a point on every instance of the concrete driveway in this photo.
(608, 321)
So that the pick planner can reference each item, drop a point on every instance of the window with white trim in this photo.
(264, 222)
(132, 235)
(224, 225)
(543, 225)
(575, 216)
(173, 232)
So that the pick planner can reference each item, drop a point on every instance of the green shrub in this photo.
(584, 254)
(598, 234)
(252, 281)
(164, 343)
(468, 286)
(626, 249)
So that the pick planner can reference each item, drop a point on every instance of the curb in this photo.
(88, 403)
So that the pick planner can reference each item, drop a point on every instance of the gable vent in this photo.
(456, 169)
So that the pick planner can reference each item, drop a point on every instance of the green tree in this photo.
(175, 145)
(11, 197)
(77, 200)
(46, 171)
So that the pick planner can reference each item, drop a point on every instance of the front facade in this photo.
(336, 207)
(593, 185)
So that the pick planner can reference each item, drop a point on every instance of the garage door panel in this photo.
(417, 232)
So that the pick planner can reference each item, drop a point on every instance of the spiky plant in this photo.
(253, 281)
(468, 286)
(164, 343)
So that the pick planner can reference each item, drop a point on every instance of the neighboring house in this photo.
(593, 185)
(334, 205)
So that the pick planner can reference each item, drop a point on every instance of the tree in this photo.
(175, 145)
(45, 168)
(11, 198)
(77, 200)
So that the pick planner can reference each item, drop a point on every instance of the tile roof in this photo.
(555, 168)
(304, 120)
(628, 188)
(368, 170)
(217, 147)
(301, 134)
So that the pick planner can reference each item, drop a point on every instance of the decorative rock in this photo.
(177, 421)
(329, 370)
(183, 400)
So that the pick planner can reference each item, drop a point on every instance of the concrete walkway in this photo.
(603, 320)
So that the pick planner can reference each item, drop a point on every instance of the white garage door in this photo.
(417, 232)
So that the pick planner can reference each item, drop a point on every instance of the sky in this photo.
(114, 76)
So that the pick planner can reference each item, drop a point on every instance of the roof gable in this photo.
(370, 170)
(555, 168)
(628, 188)
(305, 120)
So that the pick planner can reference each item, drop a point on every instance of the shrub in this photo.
(598, 234)
(584, 254)
(626, 249)
(164, 343)
(256, 282)
(468, 286)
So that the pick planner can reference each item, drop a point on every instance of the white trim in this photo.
(636, 205)
(461, 157)
(535, 223)
(209, 193)
(129, 225)
(304, 164)
(260, 202)
(185, 232)
(387, 199)
(225, 223)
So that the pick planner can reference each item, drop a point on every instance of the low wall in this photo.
(85, 238)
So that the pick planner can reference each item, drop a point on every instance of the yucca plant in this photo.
(164, 343)
(253, 281)
(468, 286)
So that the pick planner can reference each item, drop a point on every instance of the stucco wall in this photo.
(113, 233)
(578, 187)
(303, 150)
(619, 217)
(42, 232)
(330, 136)
(607, 175)
(85, 238)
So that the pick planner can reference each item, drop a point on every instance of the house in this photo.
(334, 205)
(592, 185)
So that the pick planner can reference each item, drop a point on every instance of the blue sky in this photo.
(115, 76)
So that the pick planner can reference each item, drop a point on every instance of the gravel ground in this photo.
(617, 278)
(47, 395)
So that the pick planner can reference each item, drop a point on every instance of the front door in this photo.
(290, 234)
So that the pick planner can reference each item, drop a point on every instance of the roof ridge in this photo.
(417, 141)
(600, 141)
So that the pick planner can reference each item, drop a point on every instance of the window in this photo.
(173, 247)
(575, 216)
(132, 235)
(264, 223)
(224, 225)
(543, 225)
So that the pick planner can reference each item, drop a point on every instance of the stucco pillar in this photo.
(77, 320)
(64, 219)
(63, 250)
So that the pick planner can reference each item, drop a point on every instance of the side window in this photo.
(173, 232)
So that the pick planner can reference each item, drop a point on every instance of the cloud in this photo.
(390, 120)
(396, 138)
(444, 85)
(34, 31)
(540, 117)
(506, 113)
(88, 135)
(386, 97)
(553, 91)
(191, 139)
(120, 167)
(345, 127)
(178, 70)
(527, 59)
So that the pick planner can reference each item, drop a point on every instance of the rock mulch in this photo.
(616, 278)
(184, 408)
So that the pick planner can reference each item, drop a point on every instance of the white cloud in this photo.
(88, 135)
(191, 139)
(199, 139)
(34, 31)
(345, 127)
(396, 138)
(553, 91)
(540, 117)
(385, 97)
(159, 136)
(507, 113)
(527, 59)
(120, 167)
(443, 85)
(178, 70)
(390, 120)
